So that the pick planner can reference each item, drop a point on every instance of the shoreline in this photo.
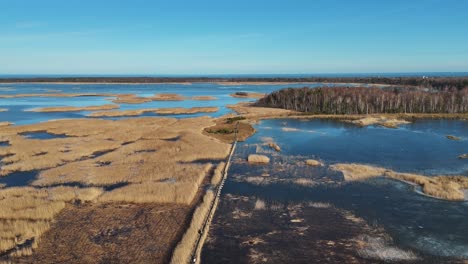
(249, 111)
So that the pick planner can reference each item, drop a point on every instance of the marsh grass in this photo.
(453, 137)
(378, 248)
(248, 95)
(183, 250)
(258, 159)
(313, 163)
(259, 205)
(75, 109)
(381, 120)
(161, 111)
(168, 97)
(221, 131)
(203, 98)
(231, 120)
(442, 187)
(26, 213)
(181, 193)
(218, 174)
(140, 152)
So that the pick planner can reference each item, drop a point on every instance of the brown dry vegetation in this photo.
(252, 112)
(75, 109)
(134, 99)
(245, 130)
(56, 95)
(258, 159)
(217, 175)
(168, 97)
(381, 120)
(26, 213)
(161, 111)
(314, 163)
(112, 233)
(157, 160)
(5, 124)
(235, 83)
(268, 141)
(182, 252)
(247, 95)
(453, 137)
(130, 99)
(442, 187)
(204, 98)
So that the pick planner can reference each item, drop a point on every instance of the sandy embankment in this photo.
(161, 111)
(442, 187)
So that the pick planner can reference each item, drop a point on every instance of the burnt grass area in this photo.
(245, 230)
(112, 233)
(265, 215)
(282, 233)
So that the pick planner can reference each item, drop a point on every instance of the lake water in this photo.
(18, 107)
(427, 226)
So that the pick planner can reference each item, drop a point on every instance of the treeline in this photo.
(434, 83)
(363, 100)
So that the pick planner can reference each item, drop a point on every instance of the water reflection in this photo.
(425, 225)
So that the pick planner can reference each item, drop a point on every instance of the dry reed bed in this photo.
(247, 110)
(250, 111)
(131, 99)
(225, 130)
(168, 97)
(138, 150)
(218, 174)
(134, 99)
(56, 95)
(182, 252)
(161, 160)
(161, 111)
(442, 187)
(26, 213)
(379, 120)
(248, 95)
(75, 109)
(2, 124)
(204, 98)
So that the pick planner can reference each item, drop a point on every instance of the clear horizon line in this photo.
(221, 74)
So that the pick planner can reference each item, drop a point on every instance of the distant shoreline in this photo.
(437, 83)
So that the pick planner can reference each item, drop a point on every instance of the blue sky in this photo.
(221, 36)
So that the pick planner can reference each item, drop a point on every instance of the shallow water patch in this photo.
(20, 178)
(43, 135)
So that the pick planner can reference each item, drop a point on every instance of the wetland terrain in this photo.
(124, 172)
